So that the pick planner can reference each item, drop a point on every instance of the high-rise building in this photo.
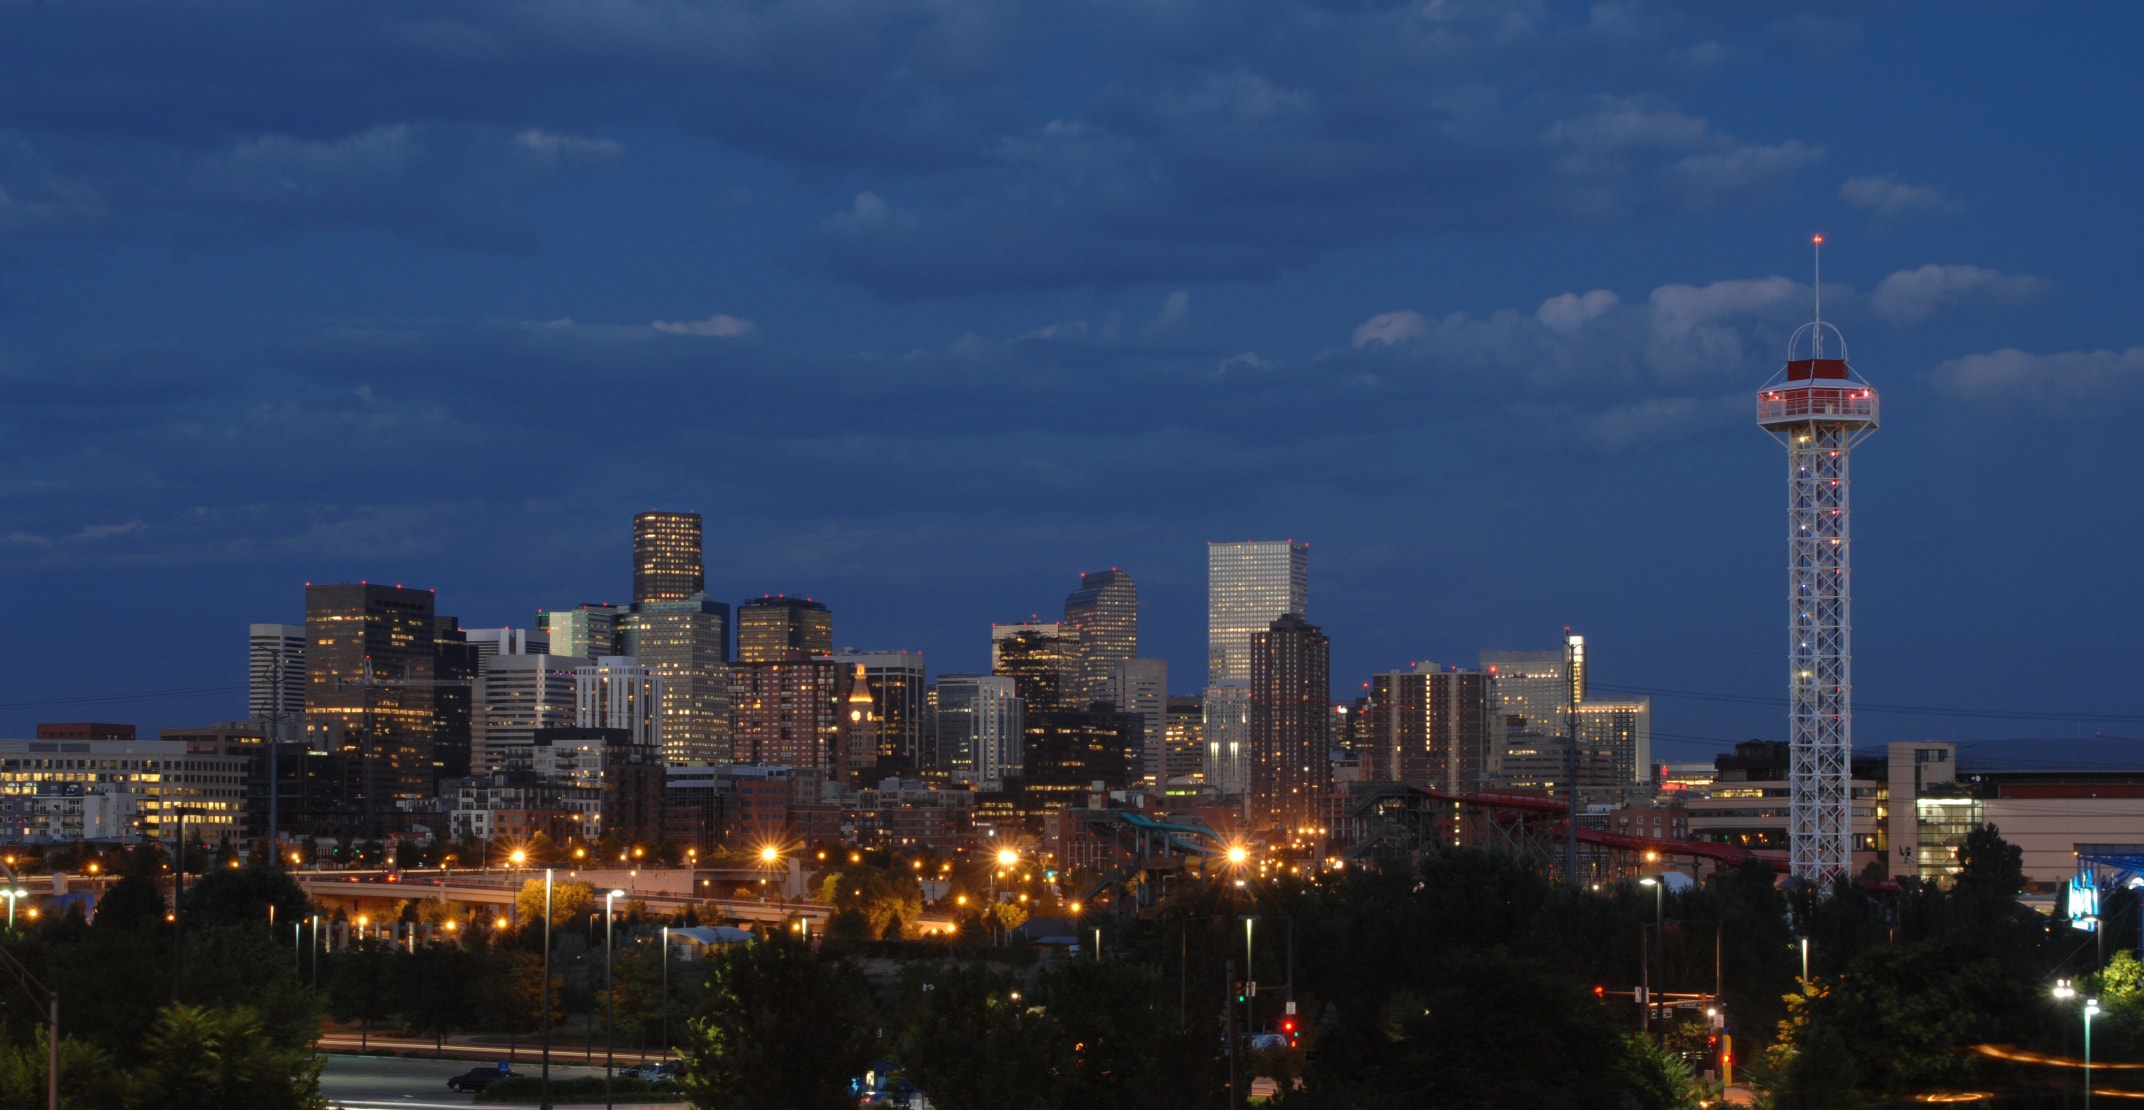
(275, 676)
(1533, 690)
(1040, 663)
(1185, 738)
(1227, 726)
(1291, 716)
(515, 696)
(1538, 699)
(454, 665)
(616, 692)
(1819, 408)
(1101, 626)
(786, 715)
(1066, 756)
(897, 684)
(981, 725)
(686, 644)
(1248, 587)
(507, 640)
(773, 628)
(369, 673)
(1624, 729)
(1141, 687)
(1432, 726)
(666, 557)
(589, 631)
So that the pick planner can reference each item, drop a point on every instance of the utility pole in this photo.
(1228, 1028)
(178, 904)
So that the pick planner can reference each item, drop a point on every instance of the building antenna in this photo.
(1816, 248)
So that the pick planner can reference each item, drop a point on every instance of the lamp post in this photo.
(11, 894)
(544, 1005)
(2091, 1006)
(1661, 941)
(610, 993)
(666, 992)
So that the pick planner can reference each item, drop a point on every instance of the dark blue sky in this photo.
(930, 304)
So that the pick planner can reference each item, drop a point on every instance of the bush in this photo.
(529, 1088)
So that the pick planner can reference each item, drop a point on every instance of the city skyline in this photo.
(1474, 306)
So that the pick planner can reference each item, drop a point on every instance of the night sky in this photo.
(929, 305)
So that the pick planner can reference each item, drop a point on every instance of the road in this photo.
(379, 1082)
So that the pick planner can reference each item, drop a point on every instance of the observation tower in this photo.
(1820, 409)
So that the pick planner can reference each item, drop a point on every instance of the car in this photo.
(654, 1071)
(476, 1079)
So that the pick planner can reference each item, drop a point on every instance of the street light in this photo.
(11, 894)
(2091, 1006)
(544, 1006)
(1660, 934)
(610, 991)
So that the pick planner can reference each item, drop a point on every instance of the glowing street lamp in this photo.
(11, 894)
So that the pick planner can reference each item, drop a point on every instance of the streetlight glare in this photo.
(1237, 854)
(617, 894)
(1007, 857)
(769, 854)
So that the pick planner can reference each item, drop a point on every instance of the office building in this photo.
(666, 557)
(1248, 587)
(1749, 802)
(1101, 627)
(1624, 729)
(57, 791)
(616, 692)
(507, 640)
(1068, 756)
(1184, 764)
(786, 715)
(1431, 726)
(1226, 707)
(589, 631)
(515, 696)
(1040, 662)
(275, 676)
(1533, 689)
(454, 668)
(777, 628)
(1291, 717)
(686, 644)
(370, 675)
(1538, 697)
(981, 726)
(897, 685)
(1141, 687)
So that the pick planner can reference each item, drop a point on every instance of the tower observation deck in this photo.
(1819, 408)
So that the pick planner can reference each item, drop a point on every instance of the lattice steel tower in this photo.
(1819, 408)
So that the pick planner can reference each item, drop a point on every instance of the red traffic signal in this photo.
(1287, 1029)
(1599, 991)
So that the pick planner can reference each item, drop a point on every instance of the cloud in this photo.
(1174, 317)
(1567, 312)
(1388, 328)
(720, 325)
(2073, 383)
(1887, 196)
(1911, 296)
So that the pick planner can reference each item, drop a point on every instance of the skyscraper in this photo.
(981, 725)
(275, 673)
(1291, 714)
(1141, 687)
(666, 557)
(516, 695)
(1432, 726)
(1037, 659)
(1226, 728)
(897, 684)
(590, 631)
(616, 692)
(1101, 626)
(775, 628)
(1186, 741)
(1248, 587)
(454, 666)
(786, 715)
(856, 755)
(369, 673)
(686, 643)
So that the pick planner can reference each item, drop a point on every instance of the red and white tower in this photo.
(1819, 408)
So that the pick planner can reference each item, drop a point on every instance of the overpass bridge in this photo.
(662, 890)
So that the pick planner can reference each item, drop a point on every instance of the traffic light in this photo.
(1287, 1029)
(1600, 991)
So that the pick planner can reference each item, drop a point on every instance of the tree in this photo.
(1120, 1025)
(974, 1047)
(438, 985)
(198, 1058)
(234, 895)
(786, 1029)
(888, 900)
(361, 985)
(88, 1081)
(568, 901)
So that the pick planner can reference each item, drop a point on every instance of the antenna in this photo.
(1816, 248)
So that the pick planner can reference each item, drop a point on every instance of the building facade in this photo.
(898, 686)
(1291, 717)
(981, 722)
(1141, 687)
(1041, 664)
(1101, 626)
(786, 715)
(773, 629)
(1248, 586)
(275, 676)
(666, 557)
(616, 692)
(370, 673)
(686, 644)
(589, 631)
(515, 696)
(117, 790)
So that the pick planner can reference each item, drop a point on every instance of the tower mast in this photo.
(1819, 409)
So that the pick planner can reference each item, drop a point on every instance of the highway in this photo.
(405, 1083)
